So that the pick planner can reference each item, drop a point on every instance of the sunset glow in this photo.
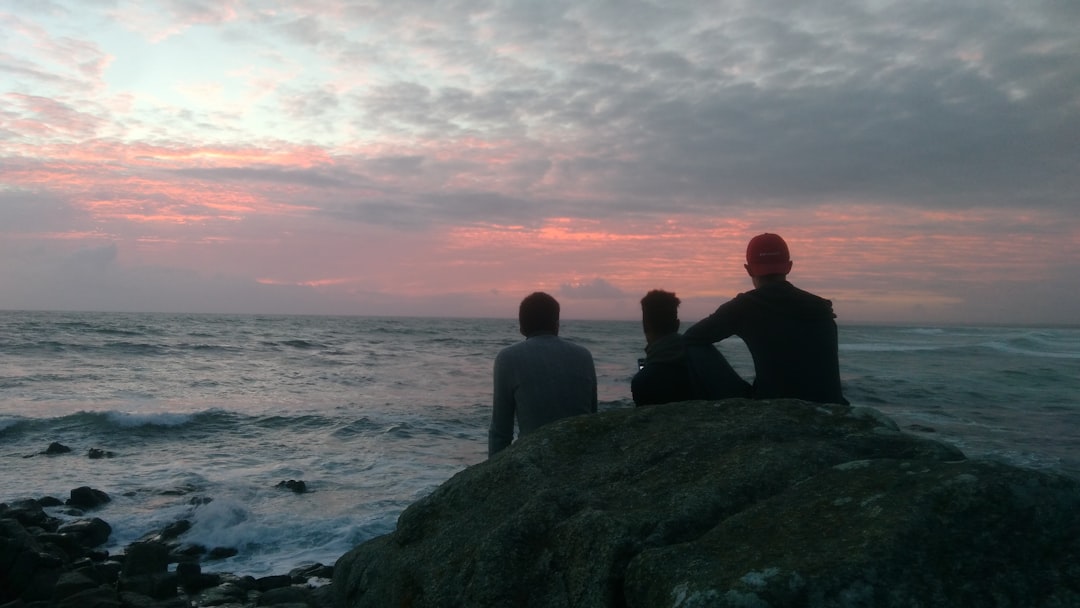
(385, 158)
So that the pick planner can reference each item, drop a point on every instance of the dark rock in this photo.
(222, 552)
(145, 558)
(71, 583)
(175, 529)
(50, 501)
(87, 498)
(40, 569)
(29, 512)
(96, 597)
(734, 503)
(158, 586)
(89, 532)
(104, 572)
(187, 551)
(193, 579)
(283, 596)
(131, 599)
(309, 571)
(68, 544)
(296, 486)
(276, 581)
(225, 593)
(56, 448)
(97, 453)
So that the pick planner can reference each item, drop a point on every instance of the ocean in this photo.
(204, 415)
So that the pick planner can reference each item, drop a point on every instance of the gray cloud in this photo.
(598, 289)
(918, 103)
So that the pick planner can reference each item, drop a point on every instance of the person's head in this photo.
(538, 314)
(659, 314)
(767, 258)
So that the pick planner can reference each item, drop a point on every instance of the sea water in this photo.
(205, 415)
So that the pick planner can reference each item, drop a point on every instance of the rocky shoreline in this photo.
(47, 562)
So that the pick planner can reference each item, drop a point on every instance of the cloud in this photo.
(597, 289)
(512, 145)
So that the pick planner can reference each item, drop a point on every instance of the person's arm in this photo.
(501, 431)
(713, 328)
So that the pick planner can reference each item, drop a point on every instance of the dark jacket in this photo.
(665, 377)
(675, 372)
(791, 335)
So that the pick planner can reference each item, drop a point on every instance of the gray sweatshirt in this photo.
(537, 381)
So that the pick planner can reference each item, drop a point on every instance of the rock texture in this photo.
(733, 503)
(46, 564)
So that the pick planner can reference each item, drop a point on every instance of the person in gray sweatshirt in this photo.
(541, 379)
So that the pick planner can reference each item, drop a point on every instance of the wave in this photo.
(126, 420)
(1038, 344)
(883, 347)
(9, 423)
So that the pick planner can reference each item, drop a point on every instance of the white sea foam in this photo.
(129, 420)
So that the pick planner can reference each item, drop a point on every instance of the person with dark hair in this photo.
(670, 371)
(663, 376)
(791, 334)
(540, 379)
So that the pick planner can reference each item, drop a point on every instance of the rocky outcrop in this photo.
(45, 562)
(733, 503)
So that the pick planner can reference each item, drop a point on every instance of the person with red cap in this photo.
(791, 333)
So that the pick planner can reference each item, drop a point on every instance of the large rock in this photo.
(733, 503)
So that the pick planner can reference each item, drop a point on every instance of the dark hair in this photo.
(538, 313)
(660, 312)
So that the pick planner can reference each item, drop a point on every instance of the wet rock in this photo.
(145, 558)
(276, 581)
(309, 571)
(193, 579)
(97, 453)
(86, 498)
(56, 448)
(157, 586)
(95, 597)
(30, 513)
(71, 583)
(298, 486)
(43, 569)
(175, 529)
(222, 552)
(225, 593)
(285, 596)
(88, 532)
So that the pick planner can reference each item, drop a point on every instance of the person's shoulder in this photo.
(510, 351)
(574, 346)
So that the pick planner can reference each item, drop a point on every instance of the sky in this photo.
(422, 158)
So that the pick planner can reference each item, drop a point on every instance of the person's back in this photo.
(791, 333)
(541, 379)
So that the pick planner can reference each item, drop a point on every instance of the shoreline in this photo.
(61, 563)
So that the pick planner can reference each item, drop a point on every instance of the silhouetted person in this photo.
(540, 379)
(664, 376)
(672, 372)
(791, 333)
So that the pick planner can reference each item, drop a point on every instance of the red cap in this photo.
(767, 254)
